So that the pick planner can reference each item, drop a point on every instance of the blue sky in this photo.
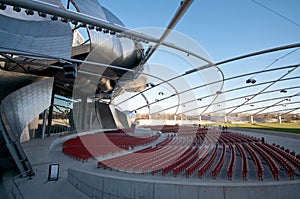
(226, 29)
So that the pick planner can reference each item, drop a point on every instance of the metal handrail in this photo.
(20, 195)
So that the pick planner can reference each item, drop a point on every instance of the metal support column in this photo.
(84, 112)
(50, 112)
(251, 119)
(279, 120)
(44, 124)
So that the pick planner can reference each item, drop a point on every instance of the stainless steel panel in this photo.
(112, 50)
(111, 17)
(25, 104)
(91, 7)
(34, 34)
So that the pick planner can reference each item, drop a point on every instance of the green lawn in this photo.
(284, 127)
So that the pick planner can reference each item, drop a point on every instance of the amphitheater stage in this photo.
(84, 180)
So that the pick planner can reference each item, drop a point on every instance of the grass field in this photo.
(284, 127)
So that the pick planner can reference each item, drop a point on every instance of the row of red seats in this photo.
(176, 129)
(165, 142)
(291, 158)
(244, 161)
(270, 161)
(208, 164)
(249, 138)
(78, 153)
(245, 138)
(180, 167)
(130, 141)
(283, 161)
(236, 137)
(133, 161)
(155, 163)
(118, 162)
(222, 137)
(189, 170)
(233, 138)
(158, 162)
(257, 161)
(121, 140)
(232, 162)
(183, 158)
(136, 161)
(217, 168)
(94, 145)
(148, 159)
(75, 148)
(209, 138)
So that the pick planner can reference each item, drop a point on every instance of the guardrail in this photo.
(17, 180)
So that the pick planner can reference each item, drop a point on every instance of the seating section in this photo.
(153, 159)
(189, 152)
(101, 144)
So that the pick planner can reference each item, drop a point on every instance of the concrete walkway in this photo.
(38, 153)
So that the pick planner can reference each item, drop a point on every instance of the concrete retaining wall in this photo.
(102, 186)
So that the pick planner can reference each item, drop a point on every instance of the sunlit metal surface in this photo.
(34, 34)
